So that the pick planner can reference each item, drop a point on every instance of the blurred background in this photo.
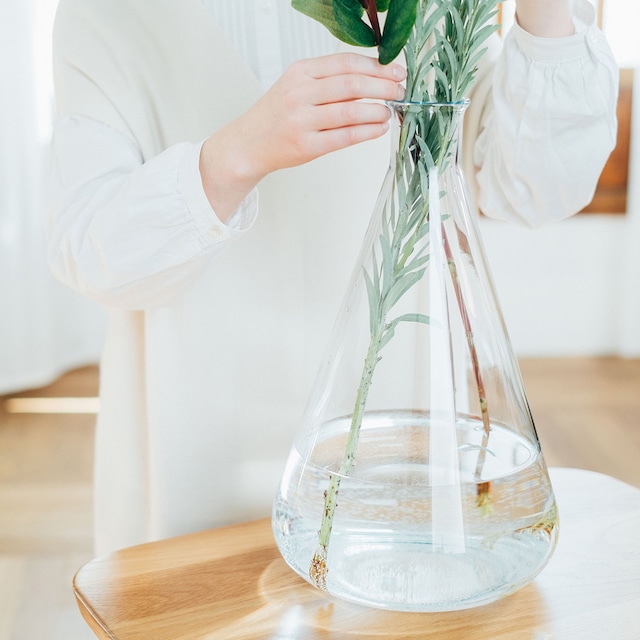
(570, 294)
(45, 329)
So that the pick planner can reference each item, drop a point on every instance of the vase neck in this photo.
(430, 132)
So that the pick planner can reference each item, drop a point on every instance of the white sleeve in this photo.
(126, 233)
(549, 125)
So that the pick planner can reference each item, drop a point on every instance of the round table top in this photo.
(232, 584)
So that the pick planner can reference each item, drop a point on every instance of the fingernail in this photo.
(400, 92)
(398, 72)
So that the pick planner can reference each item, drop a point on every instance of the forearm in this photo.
(124, 232)
(227, 172)
(545, 18)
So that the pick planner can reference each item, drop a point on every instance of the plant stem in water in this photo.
(318, 569)
(483, 498)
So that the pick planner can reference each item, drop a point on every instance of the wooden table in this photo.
(231, 584)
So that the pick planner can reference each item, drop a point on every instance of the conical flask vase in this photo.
(417, 482)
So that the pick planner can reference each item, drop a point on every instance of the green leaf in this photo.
(401, 17)
(458, 28)
(435, 17)
(415, 264)
(443, 84)
(387, 264)
(424, 230)
(390, 328)
(483, 34)
(413, 317)
(372, 295)
(392, 205)
(375, 271)
(322, 11)
(382, 5)
(386, 337)
(348, 15)
(400, 287)
(470, 66)
(451, 57)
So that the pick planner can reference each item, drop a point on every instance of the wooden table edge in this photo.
(88, 612)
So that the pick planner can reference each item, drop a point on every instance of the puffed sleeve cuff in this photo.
(211, 230)
(550, 124)
(561, 49)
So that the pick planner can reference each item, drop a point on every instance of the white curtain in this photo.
(45, 329)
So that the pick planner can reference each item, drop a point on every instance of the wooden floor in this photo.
(45, 513)
(586, 411)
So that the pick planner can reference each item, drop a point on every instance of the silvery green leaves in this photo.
(401, 255)
(356, 22)
(445, 47)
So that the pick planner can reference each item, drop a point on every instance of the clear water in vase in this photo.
(403, 540)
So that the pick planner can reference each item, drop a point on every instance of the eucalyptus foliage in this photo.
(442, 42)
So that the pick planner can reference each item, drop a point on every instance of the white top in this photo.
(210, 354)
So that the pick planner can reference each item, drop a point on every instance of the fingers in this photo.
(342, 77)
(355, 87)
(349, 114)
(351, 63)
(318, 105)
(331, 140)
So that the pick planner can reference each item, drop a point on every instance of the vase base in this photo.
(416, 576)
(403, 543)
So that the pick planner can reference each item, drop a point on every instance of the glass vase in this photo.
(417, 482)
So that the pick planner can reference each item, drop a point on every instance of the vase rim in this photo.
(464, 102)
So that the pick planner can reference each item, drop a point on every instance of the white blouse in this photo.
(525, 140)
(210, 354)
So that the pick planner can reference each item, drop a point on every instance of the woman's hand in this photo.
(545, 18)
(315, 107)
